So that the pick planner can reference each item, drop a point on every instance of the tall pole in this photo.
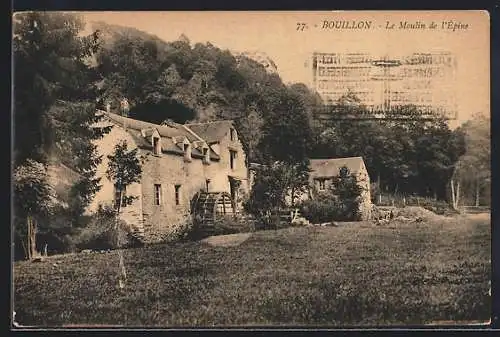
(124, 110)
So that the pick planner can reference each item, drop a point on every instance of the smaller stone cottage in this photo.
(323, 170)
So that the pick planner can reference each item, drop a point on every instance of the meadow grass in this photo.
(356, 274)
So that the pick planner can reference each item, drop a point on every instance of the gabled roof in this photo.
(324, 168)
(167, 133)
(211, 132)
(172, 130)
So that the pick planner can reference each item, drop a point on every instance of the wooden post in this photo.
(28, 237)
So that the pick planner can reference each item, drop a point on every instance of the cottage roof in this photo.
(324, 168)
(211, 132)
(167, 134)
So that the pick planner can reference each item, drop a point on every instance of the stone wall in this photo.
(168, 171)
(132, 214)
(365, 206)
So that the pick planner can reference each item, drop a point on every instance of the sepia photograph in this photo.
(250, 169)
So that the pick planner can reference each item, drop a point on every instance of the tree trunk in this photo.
(25, 249)
(31, 239)
(452, 185)
(122, 272)
(457, 198)
(477, 193)
(278, 218)
(117, 218)
(28, 237)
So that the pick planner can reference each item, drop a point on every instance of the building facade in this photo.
(177, 163)
(425, 80)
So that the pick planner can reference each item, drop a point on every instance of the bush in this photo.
(339, 203)
(320, 210)
(181, 231)
(440, 207)
(100, 233)
(221, 226)
(271, 186)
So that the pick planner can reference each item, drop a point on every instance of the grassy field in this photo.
(355, 274)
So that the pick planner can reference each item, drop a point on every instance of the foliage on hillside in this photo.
(201, 82)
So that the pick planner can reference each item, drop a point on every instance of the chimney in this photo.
(124, 107)
(108, 107)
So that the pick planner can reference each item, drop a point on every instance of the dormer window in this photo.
(187, 151)
(156, 146)
(206, 155)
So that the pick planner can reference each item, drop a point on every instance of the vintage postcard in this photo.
(312, 169)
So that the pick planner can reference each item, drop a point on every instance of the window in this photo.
(321, 183)
(117, 198)
(206, 155)
(232, 134)
(207, 182)
(156, 146)
(344, 171)
(232, 158)
(157, 194)
(187, 152)
(177, 194)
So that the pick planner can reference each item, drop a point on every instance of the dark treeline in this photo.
(175, 80)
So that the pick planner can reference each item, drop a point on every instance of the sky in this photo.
(279, 35)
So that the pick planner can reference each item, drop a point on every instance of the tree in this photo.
(340, 202)
(286, 132)
(472, 170)
(347, 191)
(33, 197)
(403, 152)
(272, 184)
(54, 103)
(124, 169)
(50, 64)
(249, 129)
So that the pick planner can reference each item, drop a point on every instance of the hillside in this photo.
(402, 273)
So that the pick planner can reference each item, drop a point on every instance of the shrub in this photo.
(181, 231)
(100, 233)
(340, 203)
(271, 186)
(440, 207)
(221, 226)
(320, 210)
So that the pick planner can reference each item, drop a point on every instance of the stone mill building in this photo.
(180, 162)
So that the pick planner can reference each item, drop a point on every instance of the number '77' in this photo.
(301, 26)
